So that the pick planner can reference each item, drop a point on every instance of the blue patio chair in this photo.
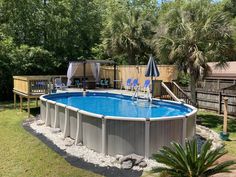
(146, 85)
(135, 84)
(128, 84)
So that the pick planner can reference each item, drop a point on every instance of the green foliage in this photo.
(42, 36)
(192, 33)
(127, 27)
(186, 162)
(183, 79)
(22, 60)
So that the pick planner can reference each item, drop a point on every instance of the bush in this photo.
(22, 60)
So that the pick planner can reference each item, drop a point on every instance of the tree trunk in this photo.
(131, 55)
(193, 88)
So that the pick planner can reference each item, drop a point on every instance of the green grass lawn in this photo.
(215, 122)
(23, 155)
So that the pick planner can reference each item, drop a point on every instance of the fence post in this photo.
(220, 100)
(225, 114)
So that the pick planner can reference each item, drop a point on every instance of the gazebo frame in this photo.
(96, 61)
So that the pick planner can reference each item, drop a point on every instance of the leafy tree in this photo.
(127, 28)
(192, 33)
(186, 162)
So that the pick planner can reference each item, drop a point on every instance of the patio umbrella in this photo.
(151, 70)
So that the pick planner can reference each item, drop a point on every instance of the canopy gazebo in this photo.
(88, 71)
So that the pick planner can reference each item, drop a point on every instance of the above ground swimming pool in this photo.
(116, 124)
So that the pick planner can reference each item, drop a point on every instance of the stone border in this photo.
(209, 134)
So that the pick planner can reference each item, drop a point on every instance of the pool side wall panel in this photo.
(92, 132)
(164, 132)
(61, 116)
(125, 137)
(51, 114)
(43, 110)
(191, 126)
(73, 123)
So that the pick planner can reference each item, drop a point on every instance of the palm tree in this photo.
(190, 34)
(186, 162)
(126, 31)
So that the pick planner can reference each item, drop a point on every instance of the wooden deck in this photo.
(32, 87)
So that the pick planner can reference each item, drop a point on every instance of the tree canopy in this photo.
(42, 36)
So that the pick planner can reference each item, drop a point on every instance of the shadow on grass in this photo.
(216, 121)
(10, 105)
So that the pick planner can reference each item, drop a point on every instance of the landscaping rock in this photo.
(142, 164)
(118, 157)
(136, 158)
(80, 144)
(209, 134)
(40, 122)
(127, 164)
(56, 130)
(125, 158)
(69, 142)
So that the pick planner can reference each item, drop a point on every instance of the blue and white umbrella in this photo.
(152, 70)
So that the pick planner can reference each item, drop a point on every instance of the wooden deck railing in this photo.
(181, 94)
(171, 90)
(34, 85)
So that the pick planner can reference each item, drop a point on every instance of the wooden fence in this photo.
(213, 100)
(167, 73)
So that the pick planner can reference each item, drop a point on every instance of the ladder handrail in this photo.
(183, 92)
(170, 92)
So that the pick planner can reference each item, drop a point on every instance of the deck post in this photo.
(184, 133)
(147, 138)
(37, 103)
(56, 118)
(79, 131)
(28, 106)
(14, 100)
(67, 123)
(21, 103)
(104, 136)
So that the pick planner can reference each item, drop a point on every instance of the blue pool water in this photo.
(118, 105)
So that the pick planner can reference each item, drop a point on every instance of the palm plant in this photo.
(186, 162)
(190, 34)
(126, 31)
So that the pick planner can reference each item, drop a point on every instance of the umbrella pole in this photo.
(152, 86)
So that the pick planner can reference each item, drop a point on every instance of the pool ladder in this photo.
(146, 96)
